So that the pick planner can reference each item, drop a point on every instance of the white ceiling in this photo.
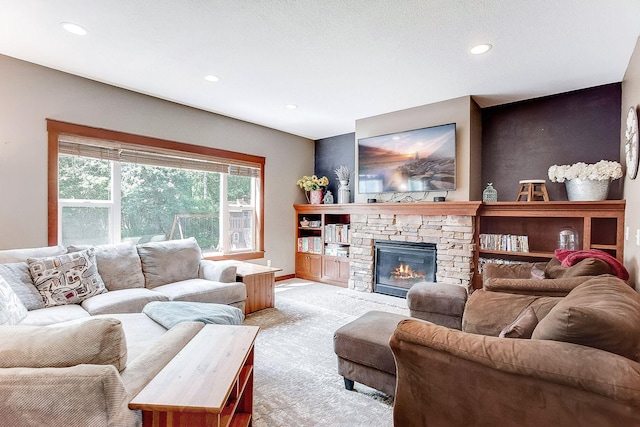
(339, 60)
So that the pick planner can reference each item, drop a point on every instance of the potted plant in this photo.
(313, 187)
(586, 181)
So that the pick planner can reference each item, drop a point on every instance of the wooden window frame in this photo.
(55, 128)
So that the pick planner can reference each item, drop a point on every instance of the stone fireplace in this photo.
(449, 226)
(400, 265)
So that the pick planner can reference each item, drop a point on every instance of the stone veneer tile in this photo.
(452, 234)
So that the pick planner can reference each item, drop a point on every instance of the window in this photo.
(112, 187)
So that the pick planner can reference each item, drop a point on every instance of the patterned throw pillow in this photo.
(12, 310)
(66, 279)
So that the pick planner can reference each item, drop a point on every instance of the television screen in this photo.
(414, 160)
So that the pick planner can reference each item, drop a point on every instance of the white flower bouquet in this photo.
(603, 170)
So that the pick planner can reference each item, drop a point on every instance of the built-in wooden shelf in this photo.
(600, 225)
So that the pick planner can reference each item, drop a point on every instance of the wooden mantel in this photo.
(417, 208)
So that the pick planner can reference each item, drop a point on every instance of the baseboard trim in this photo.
(285, 277)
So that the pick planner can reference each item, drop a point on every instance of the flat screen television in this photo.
(414, 160)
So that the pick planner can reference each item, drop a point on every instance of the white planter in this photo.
(587, 189)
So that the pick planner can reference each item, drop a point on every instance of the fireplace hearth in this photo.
(400, 265)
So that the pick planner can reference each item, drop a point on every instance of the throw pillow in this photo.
(18, 276)
(603, 312)
(170, 261)
(90, 341)
(118, 265)
(12, 311)
(522, 327)
(66, 279)
(586, 267)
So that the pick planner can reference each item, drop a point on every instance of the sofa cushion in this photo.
(56, 314)
(18, 276)
(510, 271)
(96, 341)
(118, 265)
(122, 301)
(586, 267)
(481, 315)
(21, 255)
(66, 279)
(170, 261)
(603, 312)
(170, 313)
(12, 310)
(522, 327)
(201, 290)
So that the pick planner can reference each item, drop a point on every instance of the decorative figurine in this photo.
(490, 194)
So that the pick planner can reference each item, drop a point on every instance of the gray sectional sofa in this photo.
(79, 363)
(133, 275)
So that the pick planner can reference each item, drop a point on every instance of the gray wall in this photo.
(30, 93)
(631, 98)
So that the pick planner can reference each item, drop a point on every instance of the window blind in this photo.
(154, 156)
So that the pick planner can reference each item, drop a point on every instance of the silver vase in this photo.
(587, 189)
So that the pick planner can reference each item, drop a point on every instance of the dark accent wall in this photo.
(521, 140)
(331, 153)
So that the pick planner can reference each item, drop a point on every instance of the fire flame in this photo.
(404, 271)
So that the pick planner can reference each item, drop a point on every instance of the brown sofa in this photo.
(580, 367)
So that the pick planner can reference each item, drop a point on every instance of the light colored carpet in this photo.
(296, 381)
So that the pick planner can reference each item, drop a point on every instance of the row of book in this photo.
(338, 250)
(340, 233)
(504, 242)
(310, 244)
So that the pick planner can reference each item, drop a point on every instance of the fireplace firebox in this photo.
(400, 265)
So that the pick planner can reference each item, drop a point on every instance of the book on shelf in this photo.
(310, 244)
(340, 233)
(504, 242)
(335, 249)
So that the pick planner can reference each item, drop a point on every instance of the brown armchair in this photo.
(579, 369)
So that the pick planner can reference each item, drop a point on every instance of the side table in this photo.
(260, 281)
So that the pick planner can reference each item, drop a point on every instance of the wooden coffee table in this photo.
(208, 383)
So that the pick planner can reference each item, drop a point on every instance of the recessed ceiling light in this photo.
(74, 28)
(291, 106)
(481, 48)
(211, 78)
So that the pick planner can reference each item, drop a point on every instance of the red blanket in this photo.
(568, 258)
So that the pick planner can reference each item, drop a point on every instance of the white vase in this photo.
(343, 192)
(587, 189)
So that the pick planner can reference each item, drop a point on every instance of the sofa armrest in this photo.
(218, 271)
(82, 395)
(542, 287)
(441, 371)
(145, 367)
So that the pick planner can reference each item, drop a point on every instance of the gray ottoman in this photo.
(439, 303)
(363, 351)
